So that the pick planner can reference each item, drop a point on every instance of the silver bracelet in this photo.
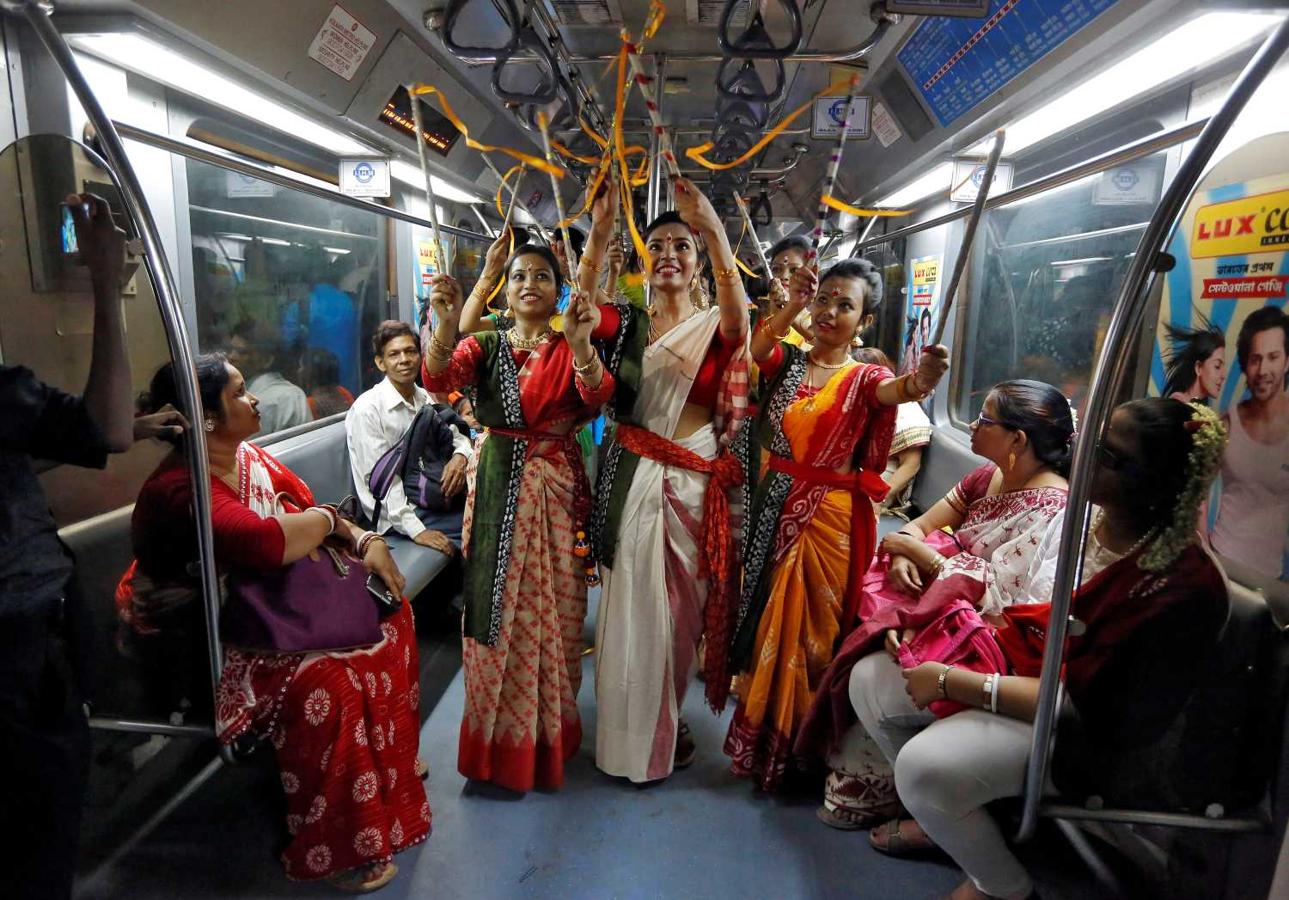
(940, 687)
(993, 694)
(986, 689)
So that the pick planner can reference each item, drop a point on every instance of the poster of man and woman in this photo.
(1221, 339)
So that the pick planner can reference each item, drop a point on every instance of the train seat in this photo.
(945, 462)
(1224, 750)
(321, 457)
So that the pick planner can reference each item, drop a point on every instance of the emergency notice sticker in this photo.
(342, 43)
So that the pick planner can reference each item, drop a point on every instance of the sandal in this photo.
(686, 749)
(421, 769)
(890, 839)
(843, 820)
(365, 879)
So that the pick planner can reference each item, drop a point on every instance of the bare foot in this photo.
(365, 879)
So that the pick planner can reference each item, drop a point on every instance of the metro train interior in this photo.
(1032, 176)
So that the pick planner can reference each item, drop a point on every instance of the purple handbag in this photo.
(310, 605)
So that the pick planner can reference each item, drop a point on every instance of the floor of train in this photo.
(701, 833)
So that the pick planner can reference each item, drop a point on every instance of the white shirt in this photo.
(376, 422)
(282, 404)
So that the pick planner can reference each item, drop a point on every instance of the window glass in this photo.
(1045, 273)
(290, 286)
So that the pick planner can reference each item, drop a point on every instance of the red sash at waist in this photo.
(865, 488)
(715, 559)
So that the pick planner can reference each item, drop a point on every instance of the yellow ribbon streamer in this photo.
(831, 201)
(535, 161)
(496, 288)
(697, 153)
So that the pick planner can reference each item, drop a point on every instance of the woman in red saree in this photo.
(826, 425)
(525, 531)
(1146, 620)
(344, 725)
(999, 514)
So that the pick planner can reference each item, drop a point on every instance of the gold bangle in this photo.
(439, 349)
(590, 265)
(588, 367)
(765, 326)
(726, 276)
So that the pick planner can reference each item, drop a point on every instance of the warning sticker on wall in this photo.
(342, 43)
(884, 126)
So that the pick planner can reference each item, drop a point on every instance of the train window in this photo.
(289, 285)
(1045, 272)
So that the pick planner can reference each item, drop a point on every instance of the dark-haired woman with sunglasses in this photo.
(999, 515)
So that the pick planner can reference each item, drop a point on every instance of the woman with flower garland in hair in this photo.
(999, 514)
(826, 427)
(1149, 612)
(524, 538)
(670, 471)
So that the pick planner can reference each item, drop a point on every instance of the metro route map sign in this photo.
(954, 64)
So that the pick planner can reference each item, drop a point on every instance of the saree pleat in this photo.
(795, 639)
(521, 721)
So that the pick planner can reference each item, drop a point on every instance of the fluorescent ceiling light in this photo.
(1185, 48)
(339, 251)
(148, 58)
(411, 175)
(934, 181)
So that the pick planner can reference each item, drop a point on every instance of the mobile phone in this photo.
(376, 587)
(67, 231)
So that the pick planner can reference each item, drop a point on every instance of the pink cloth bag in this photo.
(958, 636)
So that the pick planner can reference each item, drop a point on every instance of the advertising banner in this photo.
(1221, 340)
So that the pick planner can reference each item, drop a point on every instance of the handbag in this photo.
(958, 636)
(319, 602)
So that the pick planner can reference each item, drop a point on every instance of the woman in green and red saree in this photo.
(524, 539)
(665, 538)
(826, 424)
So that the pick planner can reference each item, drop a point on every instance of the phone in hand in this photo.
(67, 231)
(384, 596)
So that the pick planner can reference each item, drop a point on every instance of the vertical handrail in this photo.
(37, 15)
(1107, 378)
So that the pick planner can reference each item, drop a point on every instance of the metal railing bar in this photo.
(1108, 376)
(141, 726)
(1127, 153)
(1066, 813)
(37, 16)
(1068, 238)
(190, 149)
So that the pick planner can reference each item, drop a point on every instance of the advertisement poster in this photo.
(921, 308)
(1221, 340)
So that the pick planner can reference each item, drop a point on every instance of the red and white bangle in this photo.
(365, 542)
(332, 518)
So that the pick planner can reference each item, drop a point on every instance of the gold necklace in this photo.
(654, 333)
(814, 362)
(528, 343)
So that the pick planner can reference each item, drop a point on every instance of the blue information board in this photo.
(956, 63)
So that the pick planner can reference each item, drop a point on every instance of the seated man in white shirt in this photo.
(255, 351)
(380, 417)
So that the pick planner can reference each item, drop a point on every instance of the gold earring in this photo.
(1011, 460)
(210, 424)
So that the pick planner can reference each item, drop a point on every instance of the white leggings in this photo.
(946, 770)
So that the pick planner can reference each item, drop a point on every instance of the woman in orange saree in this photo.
(827, 424)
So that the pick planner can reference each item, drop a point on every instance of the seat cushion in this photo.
(418, 564)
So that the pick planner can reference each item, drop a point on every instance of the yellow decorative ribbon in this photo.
(697, 153)
(535, 161)
(831, 201)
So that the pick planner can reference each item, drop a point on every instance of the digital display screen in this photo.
(955, 64)
(966, 9)
(438, 133)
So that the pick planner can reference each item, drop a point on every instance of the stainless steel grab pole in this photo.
(1107, 378)
(37, 15)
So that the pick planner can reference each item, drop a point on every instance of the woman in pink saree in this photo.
(999, 514)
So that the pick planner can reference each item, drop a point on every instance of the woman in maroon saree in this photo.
(344, 725)
(1146, 620)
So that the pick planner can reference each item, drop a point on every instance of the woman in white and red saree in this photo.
(999, 514)
(525, 544)
(670, 472)
(344, 725)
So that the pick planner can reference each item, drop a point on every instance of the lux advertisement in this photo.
(1221, 340)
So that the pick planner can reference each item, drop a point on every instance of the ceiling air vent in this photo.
(708, 12)
(588, 12)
